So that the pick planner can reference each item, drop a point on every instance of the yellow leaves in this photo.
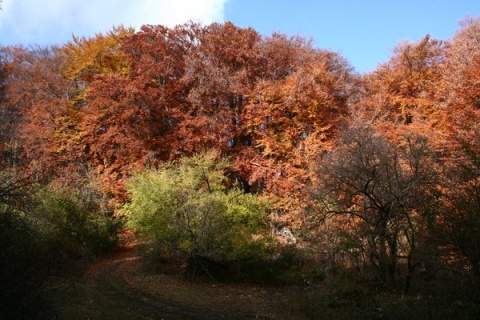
(86, 57)
(66, 129)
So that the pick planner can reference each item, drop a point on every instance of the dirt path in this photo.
(118, 288)
(112, 289)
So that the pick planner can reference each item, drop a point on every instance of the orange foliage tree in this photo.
(269, 103)
(460, 112)
(402, 94)
(293, 115)
(9, 116)
(37, 89)
(461, 91)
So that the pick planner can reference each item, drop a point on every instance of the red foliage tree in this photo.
(37, 89)
(220, 72)
(128, 115)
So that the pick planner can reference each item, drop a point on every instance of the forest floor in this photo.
(120, 287)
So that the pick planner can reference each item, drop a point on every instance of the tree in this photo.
(220, 72)
(85, 58)
(293, 116)
(37, 90)
(10, 116)
(186, 209)
(403, 94)
(459, 213)
(128, 116)
(306, 104)
(383, 189)
(460, 93)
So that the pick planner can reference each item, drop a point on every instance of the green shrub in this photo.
(186, 209)
(70, 228)
(40, 232)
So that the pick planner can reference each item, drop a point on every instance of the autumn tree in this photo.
(307, 103)
(432, 87)
(39, 92)
(461, 93)
(383, 189)
(184, 92)
(293, 114)
(402, 94)
(87, 57)
(43, 96)
(128, 114)
(220, 72)
(101, 54)
(9, 116)
(458, 220)
(198, 87)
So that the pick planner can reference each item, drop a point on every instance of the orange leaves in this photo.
(48, 86)
(219, 73)
(404, 95)
(37, 89)
(461, 92)
(129, 117)
(307, 103)
(197, 87)
(293, 119)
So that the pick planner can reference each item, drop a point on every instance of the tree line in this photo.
(377, 170)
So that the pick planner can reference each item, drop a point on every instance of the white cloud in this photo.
(54, 21)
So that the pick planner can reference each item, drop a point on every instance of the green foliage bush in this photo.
(40, 233)
(187, 210)
(69, 227)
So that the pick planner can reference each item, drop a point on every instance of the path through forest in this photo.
(116, 287)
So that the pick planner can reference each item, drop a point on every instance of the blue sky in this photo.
(363, 31)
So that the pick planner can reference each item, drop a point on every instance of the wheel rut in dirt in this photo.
(111, 277)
